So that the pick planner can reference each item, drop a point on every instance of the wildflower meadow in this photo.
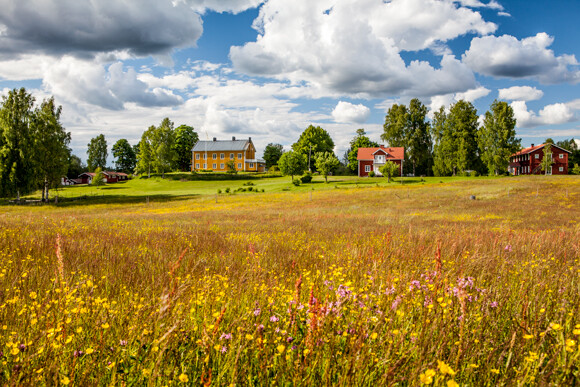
(402, 285)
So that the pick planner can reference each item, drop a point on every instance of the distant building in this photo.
(108, 177)
(528, 161)
(371, 159)
(215, 155)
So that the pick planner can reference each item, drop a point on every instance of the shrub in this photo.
(307, 178)
(248, 183)
(250, 189)
(228, 190)
(296, 182)
(219, 191)
(372, 174)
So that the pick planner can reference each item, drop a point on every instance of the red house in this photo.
(108, 177)
(528, 161)
(371, 159)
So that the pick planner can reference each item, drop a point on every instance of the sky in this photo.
(269, 69)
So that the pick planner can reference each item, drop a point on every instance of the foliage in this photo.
(126, 160)
(389, 169)
(497, 137)
(185, 139)
(408, 128)
(16, 144)
(311, 141)
(145, 153)
(576, 169)
(547, 160)
(359, 141)
(297, 181)
(98, 179)
(231, 167)
(163, 140)
(307, 178)
(75, 166)
(372, 174)
(325, 163)
(572, 146)
(97, 153)
(307, 292)
(292, 163)
(456, 148)
(272, 154)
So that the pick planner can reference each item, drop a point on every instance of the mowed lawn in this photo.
(347, 284)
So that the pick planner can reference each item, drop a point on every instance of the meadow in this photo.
(377, 285)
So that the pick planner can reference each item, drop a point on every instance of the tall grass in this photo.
(368, 286)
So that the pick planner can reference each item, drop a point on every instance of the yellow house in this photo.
(215, 155)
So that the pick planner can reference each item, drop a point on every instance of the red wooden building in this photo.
(371, 159)
(528, 161)
(108, 177)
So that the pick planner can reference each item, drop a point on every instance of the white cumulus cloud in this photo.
(507, 56)
(555, 114)
(521, 93)
(347, 112)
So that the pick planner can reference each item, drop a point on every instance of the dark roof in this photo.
(221, 145)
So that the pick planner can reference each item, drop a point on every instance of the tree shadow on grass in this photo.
(86, 200)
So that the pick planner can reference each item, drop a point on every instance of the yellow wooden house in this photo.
(215, 155)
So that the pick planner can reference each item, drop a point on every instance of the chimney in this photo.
(532, 145)
(215, 139)
(233, 138)
(250, 139)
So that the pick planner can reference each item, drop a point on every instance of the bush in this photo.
(372, 174)
(228, 190)
(296, 182)
(250, 189)
(248, 183)
(219, 191)
(307, 178)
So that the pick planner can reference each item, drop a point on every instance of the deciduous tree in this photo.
(292, 163)
(546, 163)
(389, 169)
(125, 158)
(97, 153)
(497, 137)
(272, 154)
(185, 139)
(314, 139)
(359, 141)
(325, 163)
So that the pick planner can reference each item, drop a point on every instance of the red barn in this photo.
(371, 159)
(528, 161)
(108, 177)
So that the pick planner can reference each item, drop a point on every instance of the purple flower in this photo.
(22, 347)
(226, 336)
(415, 284)
(289, 339)
(493, 304)
(260, 328)
(257, 312)
(123, 343)
(224, 349)
(508, 249)
(274, 319)
(390, 291)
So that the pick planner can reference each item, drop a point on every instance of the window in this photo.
(251, 165)
(222, 156)
(231, 156)
(561, 169)
(204, 166)
(222, 166)
(561, 155)
(215, 156)
(214, 166)
(196, 166)
(239, 165)
(197, 156)
(537, 156)
(204, 156)
(239, 155)
(367, 168)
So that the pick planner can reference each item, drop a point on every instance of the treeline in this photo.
(34, 146)
(162, 149)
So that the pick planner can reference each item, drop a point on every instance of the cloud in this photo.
(346, 112)
(85, 28)
(554, 114)
(80, 81)
(506, 56)
(233, 6)
(478, 4)
(473, 94)
(521, 93)
(338, 49)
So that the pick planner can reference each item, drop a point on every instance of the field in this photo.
(375, 285)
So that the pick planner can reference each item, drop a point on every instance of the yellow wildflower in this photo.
(427, 376)
(281, 348)
(249, 337)
(556, 327)
(65, 381)
(183, 378)
(527, 337)
(444, 368)
(374, 335)
(452, 383)
(89, 351)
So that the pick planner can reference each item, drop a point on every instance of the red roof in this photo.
(534, 148)
(392, 153)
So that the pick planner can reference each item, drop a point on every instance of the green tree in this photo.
(98, 179)
(549, 141)
(455, 134)
(572, 146)
(292, 163)
(75, 167)
(497, 137)
(576, 169)
(546, 163)
(163, 140)
(389, 169)
(408, 128)
(359, 141)
(325, 163)
(231, 167)
(313, 140)
(17, 175)
(185, 139)
(125, 158)
(272, 154)
(145, 152)
(50, 145)
(97, 153)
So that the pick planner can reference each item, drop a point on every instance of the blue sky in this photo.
(268, 69)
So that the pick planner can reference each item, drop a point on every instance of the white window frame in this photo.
(251, 165)
(239, 155)
(214, 166)
(561, 169)
(197, 156)
(239, 165)
(222, 156)
(367, 168)
(222, 166)
(196, 166)
(561, 155)
(214, 156)
(204, 166)
(231, 156)
(204, 156)
(537, 156)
